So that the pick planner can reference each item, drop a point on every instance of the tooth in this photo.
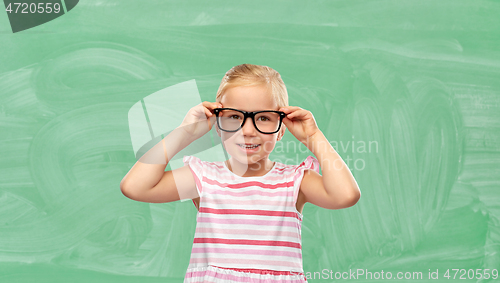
(248, 146)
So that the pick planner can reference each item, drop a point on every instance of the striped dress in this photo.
(248, 228)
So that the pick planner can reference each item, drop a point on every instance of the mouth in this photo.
(248, 145)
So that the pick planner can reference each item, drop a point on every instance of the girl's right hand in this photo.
(199, 119)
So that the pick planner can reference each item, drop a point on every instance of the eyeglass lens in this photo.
(231, 120)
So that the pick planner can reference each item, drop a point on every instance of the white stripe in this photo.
(288, 221)
(292, 260)
(252, 191)
(248, 247)
(255, 188)
(247, 227)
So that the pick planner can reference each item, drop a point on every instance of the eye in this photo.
(263, 118)
(234, 117)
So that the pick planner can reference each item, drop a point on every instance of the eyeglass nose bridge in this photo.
(247, 115)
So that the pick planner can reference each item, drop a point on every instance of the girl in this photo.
(249, 207)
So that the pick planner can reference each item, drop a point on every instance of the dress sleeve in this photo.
(310, 163)
(196, 167)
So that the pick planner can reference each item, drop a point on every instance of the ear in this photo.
(281, 133)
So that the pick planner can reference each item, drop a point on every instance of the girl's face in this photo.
(249, 98)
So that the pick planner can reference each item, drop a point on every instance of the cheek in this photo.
(268, 145)
(228, 139)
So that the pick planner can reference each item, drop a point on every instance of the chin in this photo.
(244, 158)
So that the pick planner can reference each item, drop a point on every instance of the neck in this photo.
(259, 168)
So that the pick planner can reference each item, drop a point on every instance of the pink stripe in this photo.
(218, 165)
(244, 261)
(243, 251)
(249, 212)
(287, 168)
(250, 193)
(247, 242)
(279, 233)
(245, 221)
(247, 184)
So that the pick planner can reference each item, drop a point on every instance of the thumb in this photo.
(211, 121)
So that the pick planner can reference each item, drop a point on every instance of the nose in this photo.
(248, 128)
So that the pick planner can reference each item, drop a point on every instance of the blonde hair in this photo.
(249, 75)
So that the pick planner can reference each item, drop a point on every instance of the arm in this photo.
(147, 180)
(337, 188)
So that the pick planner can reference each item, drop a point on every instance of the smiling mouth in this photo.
(248, 146)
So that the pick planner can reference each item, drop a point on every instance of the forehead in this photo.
(249, 98)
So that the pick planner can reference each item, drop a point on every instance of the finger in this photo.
(208, 113)
(209, 105)
(289, 109)
(298, 114)
(210, 122)
(205, 104)
(201, 109)
(290, 113)
(212, 105)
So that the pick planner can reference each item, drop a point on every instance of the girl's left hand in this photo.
(300, 123)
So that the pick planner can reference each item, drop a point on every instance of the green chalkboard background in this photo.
(420, 80)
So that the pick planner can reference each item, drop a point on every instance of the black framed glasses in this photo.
(266, 121)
